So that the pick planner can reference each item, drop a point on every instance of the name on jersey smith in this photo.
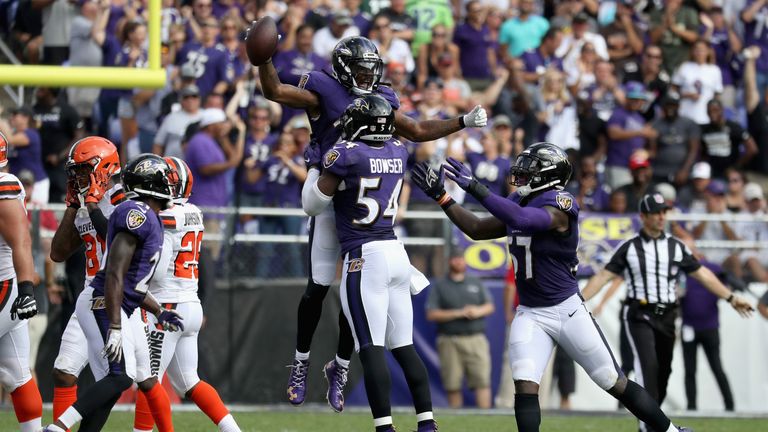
(386, 166)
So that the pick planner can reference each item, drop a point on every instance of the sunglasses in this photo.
(258, 117)
(381, 26)
(438, 35)
(204, 5)
(653, 56)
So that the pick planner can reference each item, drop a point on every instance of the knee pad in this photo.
(605, 377)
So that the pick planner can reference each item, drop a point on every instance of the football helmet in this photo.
(542, 166)
(357, 65)
(148, 175)
(368, 118)
(3, 150)
(90, 155)
(183, 187)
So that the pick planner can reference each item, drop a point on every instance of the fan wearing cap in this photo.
(726, 143)
(650, 73)
(677, 146)
(570, 47)
(208, 57)
(755, 261)
(706, 230)
(692, 197)
(538, 60)
(340, 26)
(171, 132)
(642, 175)
(25, 149)
(651, 264)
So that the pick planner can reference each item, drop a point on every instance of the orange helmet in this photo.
(3, 150)
(184, 185)
(90, 155)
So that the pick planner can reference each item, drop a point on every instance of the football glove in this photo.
(476, 118)
(170, 320)
(459, 173)
(113, 348)
(97, 187)
(428, 180)
(312, 155)
(25, 305)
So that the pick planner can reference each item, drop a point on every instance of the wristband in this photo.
(446, 201)
(730, 298)
(26, 287)
(461, 122)
(478, 190)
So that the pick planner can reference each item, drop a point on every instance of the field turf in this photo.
(300, 420)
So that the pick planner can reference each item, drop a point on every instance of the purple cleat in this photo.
(430, 426)
(337, 378)
(297, 382)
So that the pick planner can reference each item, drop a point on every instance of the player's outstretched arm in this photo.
(429, 130)
(286, 94)
(713, 285)
(475, 227)
(316, 197)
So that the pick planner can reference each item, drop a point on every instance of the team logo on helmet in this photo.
(361, 104)
(565, 201)
(135, 219)
(145, 166)
(330, 158)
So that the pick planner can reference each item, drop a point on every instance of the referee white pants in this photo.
(375, 295)
(535, 331)
(324, 248)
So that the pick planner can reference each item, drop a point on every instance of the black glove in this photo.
(428, 180)
(25, 305)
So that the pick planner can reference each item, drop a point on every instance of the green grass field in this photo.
(312, 421)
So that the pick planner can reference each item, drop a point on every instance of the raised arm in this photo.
(429, 130)
(286, 94)
(713, 285)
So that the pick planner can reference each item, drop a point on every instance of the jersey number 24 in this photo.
(185, 265)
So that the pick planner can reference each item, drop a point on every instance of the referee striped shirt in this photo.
(651, 266)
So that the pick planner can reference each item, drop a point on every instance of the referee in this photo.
(650, 264)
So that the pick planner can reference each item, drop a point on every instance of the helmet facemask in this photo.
(526, 174)
(80, 173)
(365, 73)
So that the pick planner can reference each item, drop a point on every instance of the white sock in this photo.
(140, 430)
(228, 424)
(341, 362)
(54, 428)
(33, 425)
(70, 417)
(426, 415)
(672, 428)
(382, 421)
(301, 356)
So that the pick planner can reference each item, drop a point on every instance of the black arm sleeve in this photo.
(99, 222)
(618, 262)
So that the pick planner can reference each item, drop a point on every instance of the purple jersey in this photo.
(699, 306)
(473, 48)
(334, 99)
(137, 219)
(281, 187)
(756, 33)
(211, 64)
(492, 173)
(373, 178)
(259, 151)
(535, 62)
(619, 151)
(545, 263)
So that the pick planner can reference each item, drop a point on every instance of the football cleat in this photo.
(428, 427)
(297, 382)
(337, 379)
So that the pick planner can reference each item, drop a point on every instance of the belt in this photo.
(98, 303)
(656, 308)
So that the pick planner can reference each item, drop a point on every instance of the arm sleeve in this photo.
(688, 263)
(516, 217)
(618, 262)
(312, 200)
(100, 223)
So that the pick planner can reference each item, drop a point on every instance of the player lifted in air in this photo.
(540, 221)
(355, 70)
(17, 300)
(134, 240)
(376, 279)
(174, 286)
(92, 195)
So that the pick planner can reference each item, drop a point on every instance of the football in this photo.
(261, 40)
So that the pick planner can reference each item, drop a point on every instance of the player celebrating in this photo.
(541, 223)
(175, 287)
(134, 239)
(17, 299)
(375, 284)
(356, 70)
(92, 195)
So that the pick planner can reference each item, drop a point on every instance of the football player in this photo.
(17, 300)
(134, 240)
(375, 284)
(174, 286)
(540, 220)
(92, 195)
(355, 70)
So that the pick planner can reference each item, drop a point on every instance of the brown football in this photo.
(261, 41)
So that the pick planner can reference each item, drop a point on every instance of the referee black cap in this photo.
(653, 203)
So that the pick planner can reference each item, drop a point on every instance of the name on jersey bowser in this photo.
(386, 166)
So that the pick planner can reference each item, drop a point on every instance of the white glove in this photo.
(113, 348)
(476, 118)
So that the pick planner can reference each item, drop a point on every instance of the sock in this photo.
(425, 419)
(382, 424)
(527, 412)
(672, 428)
(644, 407)
(70, 417)
(160, 406)
(28, 406)
(102, 394)
(301, 356)
(416, 376)
(228, 424)
(207, 399)
(346, 340)
(310, 309)
(96, 420)
(341, 362)
(63, 398)
(378, 383)
(142, 419)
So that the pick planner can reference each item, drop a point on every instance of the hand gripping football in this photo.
(261, 41)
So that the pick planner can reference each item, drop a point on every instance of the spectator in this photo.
(642, 178)
(171, 132)
(477, 53)
(431, 105)
(624, 38)
(172, 101)
(755, 34)
(341, 26)
(25, 152)
(459, 305)
(523, 32)
(60, 126)
(586, 188)
(148, 103)
(692, 197)
(726, 143)
(606, 93)
(674, 28)
(701, 326)
(403, 25)
(757, 125)
(726, 45)
(292, 64)
(27, 33)
(538, 60)
(557, 111)
(510, 144)
(754, 260)
(650, 73)
(391, 48)
(208, 57)
(427, 15)
(676, 148)
(430, 54)
(57, 21)
(593, 138)
(734, 196)
(617, 204)
(698, 81)
(581, 72)
(627, 132)
(258, 147)
(230, 39)
(570, 47)
(456, 90)
(195, 16)
(715, 230)
(489, 167)
(361, 20)
(397, 76)
(132, 55)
